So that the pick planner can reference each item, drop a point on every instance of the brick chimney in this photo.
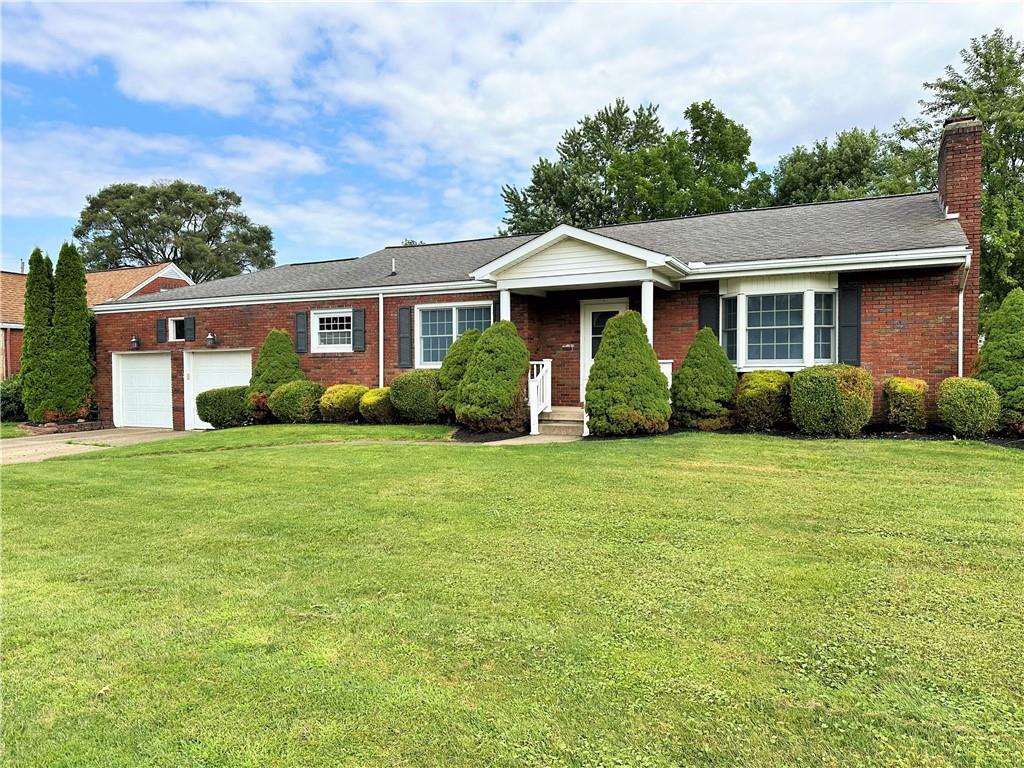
(960, 194)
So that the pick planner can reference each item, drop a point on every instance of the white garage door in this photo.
(209, 370)
(142, 390)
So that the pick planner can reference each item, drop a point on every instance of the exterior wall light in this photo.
(211, 340)
(134, 343)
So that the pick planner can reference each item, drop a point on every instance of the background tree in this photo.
(203, 231)
(69, 367)
(36, 338)
(990, 85)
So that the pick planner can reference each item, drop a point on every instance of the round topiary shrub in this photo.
(762, 400)
(492, 393)
(1001, 361)
(376, 408)
(969, 407)
(703, 387)
(904, 403)
(223, 407)
(831, 400)
(277, 364)
(627, 394)
(414, 396)
(297, 402)
(341, 402)
(454, 368)
(11, 406)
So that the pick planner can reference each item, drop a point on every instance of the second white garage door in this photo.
(209, 370)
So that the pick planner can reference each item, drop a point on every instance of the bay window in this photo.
(779, 330)
(439, 325)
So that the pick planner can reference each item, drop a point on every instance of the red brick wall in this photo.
(960, 191)
(246, 327)
(161, 284)
(908, 325)
(12, 351)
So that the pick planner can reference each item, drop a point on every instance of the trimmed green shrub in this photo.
(11, 407)
(1001, 361)
(223, 407)
(703, 386)
(831, 400)
(762, 400)
(341, 402)
(69, 368)
(627, 393)
(297, 402)
(35, 344)
(454, 368)
(414, 396)
(969, 407)
(277, 364)
(492, 393)
(904, 403)
(376, 408)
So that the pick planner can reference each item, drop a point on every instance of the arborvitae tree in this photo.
(454, 368)
(36, 339)
(492, 393)
(626, 392)
(69, 367)
(703, 386)
(277, 364)
(1001, 361)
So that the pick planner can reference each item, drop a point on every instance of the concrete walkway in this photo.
(18, 450)
(535, 440)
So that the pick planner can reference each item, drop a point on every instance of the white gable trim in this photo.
(649, 259)
(171, 270)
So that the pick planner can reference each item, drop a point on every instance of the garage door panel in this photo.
(210, 370)
(144, 391)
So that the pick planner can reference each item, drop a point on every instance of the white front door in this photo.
(593, 317)
(142, 389)
(209, 370)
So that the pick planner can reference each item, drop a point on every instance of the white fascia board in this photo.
(928, 257)
(621, 277)
(171, 270)
(561, 232)
(426, 289)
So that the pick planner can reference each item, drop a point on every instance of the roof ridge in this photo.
(456, 242)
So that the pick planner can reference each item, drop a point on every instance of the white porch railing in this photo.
(538, 390)
(666, 369)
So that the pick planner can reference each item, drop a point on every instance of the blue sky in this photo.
(350, 127)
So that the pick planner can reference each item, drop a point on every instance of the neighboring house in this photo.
(100, 287)
(889, 283)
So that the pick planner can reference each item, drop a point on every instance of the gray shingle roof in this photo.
(870, 225)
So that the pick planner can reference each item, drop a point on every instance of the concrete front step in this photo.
(563, 413)
(568, 428)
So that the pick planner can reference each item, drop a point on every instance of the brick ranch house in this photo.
(100, 287)
(889, 283)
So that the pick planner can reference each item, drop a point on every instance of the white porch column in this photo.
(809, 327)
(647, 308)
(741, 330)
(505, 305)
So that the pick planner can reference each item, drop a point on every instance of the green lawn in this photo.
(699, 600)
(11, 429)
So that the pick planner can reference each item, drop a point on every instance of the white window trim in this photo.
(315, 347)
(743, 364)
(170, 328)
(452, 305)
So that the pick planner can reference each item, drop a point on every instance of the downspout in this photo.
(380, 339)
(960, 316)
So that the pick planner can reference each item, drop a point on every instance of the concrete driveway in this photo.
(18, 450)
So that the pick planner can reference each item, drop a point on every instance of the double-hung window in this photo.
(729, 325)
(439, 325)
(332, 330)
(824, 327)
(775, 328)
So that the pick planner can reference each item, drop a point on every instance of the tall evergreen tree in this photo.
(36, 339)
(69, 379)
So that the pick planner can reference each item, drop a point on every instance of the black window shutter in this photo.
(849, 326)
(301, 332)
(496, 311)
(358, 330)
(405, 337)
(161, 330)
(190, 328)
(707, 312)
